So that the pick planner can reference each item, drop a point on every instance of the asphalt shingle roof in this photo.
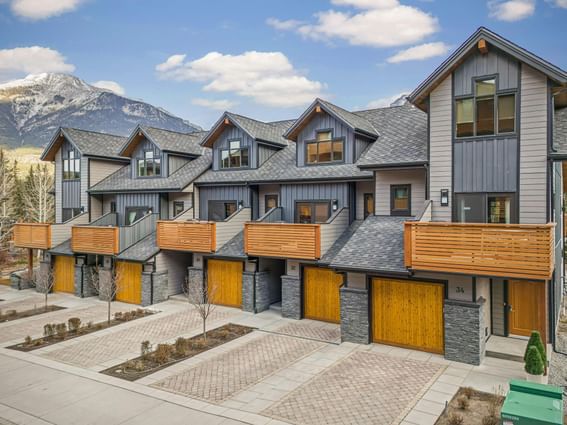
(340, 243)
(172, 141)
(95, 144)
(403, 136)
(234, 248)
(356, 121)
(376, 245)
(122, 181)
(267, 131)
(141, 251)
(64, 248)
(560, 131)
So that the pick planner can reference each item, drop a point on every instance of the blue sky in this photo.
(271, 58)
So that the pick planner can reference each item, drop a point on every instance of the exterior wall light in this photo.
(334, 204)
(240, 205)
(444, 197)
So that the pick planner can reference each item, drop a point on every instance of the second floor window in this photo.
(307, 212)
(325, 149)
(149, 165)
(236, 156)
(486, 113)
(71, 167)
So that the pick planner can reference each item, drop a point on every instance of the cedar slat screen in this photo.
(193, 236)
(32, 235)
(507, 250)
(283, 240)
(101, 240)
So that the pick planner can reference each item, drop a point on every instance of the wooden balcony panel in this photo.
(283, 240)
(102, 240)
(509, 250)
(32, 235)
(193, 236)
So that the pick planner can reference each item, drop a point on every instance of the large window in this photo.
(235, 156)
(307, 212)
(485, 208)
(325, 149)
(71, 166)
(69, 213)
(149, 165)
(486, 113)
(221, 210)
(133, 214)
(400, 199)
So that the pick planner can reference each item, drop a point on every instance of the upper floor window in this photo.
(149, 165)
(71, 166)
(325, 149)
(400, 199)
(235, 156)
(307, 212)
(221, 210)
(486, 113)
(485, 208)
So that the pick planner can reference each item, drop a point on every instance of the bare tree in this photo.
(44, 281)
(8, 191)
(202, 298)
(107, 283)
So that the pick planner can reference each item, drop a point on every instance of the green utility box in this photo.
(529, 403)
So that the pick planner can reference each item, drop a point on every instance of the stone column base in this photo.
(262, 291)
(355, 312)
(195, 276)
(19, 280)
(464, 331)
(154, 287)
(248, 290)
(291, 297)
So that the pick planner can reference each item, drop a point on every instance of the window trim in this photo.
(134, 208)
(514, 214)
(73, 215)
(312, 202)
(74, 160)
(396, 212)
(240, 149)
(176, 204)
(145, 161)
(268, 195)
(219, 201)
(315, 141)
(497, 94)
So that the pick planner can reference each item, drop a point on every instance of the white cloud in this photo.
(288, 25)
(421, 52)
(511, 10)
(561, 3)
(217, 104)
(378, 23)
(384, 102)
(268, 78)
(112, 86)
(43, 9)
(31, 60)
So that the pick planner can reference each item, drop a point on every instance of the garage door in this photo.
(408, 314)
(224, 281)
(129, 283)
(64, 274)
(321, 298)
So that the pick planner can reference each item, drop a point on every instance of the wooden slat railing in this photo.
(193, 236)
(32, 235)
(102, 240)
(504, 250)
(283, 240)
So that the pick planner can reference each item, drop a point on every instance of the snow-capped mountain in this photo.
(31, 109)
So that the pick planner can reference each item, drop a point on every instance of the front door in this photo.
(368, 204)
(526, 307)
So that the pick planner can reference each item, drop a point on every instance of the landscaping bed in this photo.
(54, 333)
(471, 407)
(9, 315)
(164, 355)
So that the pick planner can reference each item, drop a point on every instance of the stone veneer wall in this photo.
(262, 291)
(464, 331)
(154, 287)
(291, 297)
(355, 312)
(248, 282)
(195, 276)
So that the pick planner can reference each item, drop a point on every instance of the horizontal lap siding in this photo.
(361, 189)
(290, 193)
(185, 197)
(268, 189)
(221, 193)
(99, 169)
(384, 181)
(176, 162)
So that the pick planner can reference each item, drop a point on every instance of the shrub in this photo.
(74, 324)
(136, 365)
(61, 329)
(145, 349)
(163, 353)
(463, 402)
(118, 316)
(48, 330)
(534, 363)
(181, 346)
(28, 340)
(468, 392)
(535, 341)
(140, 312)
(455, 419)
(89, 324)
(490, 420)
(10, 313)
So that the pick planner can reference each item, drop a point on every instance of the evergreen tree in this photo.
(8, 213)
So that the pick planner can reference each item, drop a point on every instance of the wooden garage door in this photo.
(224, 281)
(129, 285)
(408, 314)
(64, 274)
(321, 298)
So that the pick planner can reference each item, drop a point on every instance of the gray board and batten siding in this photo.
(125, 200)
(143, 146)
(222, 193)
(232, 133)
(291, 193)
(71, 194)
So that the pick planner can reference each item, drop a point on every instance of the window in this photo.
(485, 208)
(325, 149)
(235, 156)
(221, 210)
(486, 113)
(470, 207)
(368, 204)
(400, 199)
(271, 201)
(178, 208)
(312, 212)
(149, 165)
(133, 214)
(71, 166)
(69, 213)
(499, 209)
(112, 206)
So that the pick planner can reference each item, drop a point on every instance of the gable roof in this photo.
(165, 140)
(403, 137)
(356, 122)
(89, 143)
(422, 91)
(265, 132)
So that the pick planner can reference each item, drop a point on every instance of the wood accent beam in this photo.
(226, 121)
(318, 109)
(482, 46)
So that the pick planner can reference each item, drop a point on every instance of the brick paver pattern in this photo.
(219, 378)
(364, 388)
(110, 346)
(27, 303)
(321, 331)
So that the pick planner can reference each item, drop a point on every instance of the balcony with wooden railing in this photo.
(269, 237)
(524, 251)
(45, 235)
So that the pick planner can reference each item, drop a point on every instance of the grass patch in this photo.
(472, 407)
(9, 315)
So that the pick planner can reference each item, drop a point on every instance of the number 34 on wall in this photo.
(459, 290)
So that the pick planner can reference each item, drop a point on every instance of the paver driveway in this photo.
(364, 388)
(311, 329)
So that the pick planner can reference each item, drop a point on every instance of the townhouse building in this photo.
(433, 225)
